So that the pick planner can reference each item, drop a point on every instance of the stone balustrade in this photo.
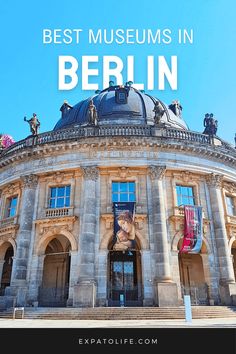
(8, 221)
(75, 133)
(58, 212)
(179, 211)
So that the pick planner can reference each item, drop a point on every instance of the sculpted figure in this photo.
(176, 108)
(93, 117)
(34, 124)
(210, 124)
(159, 111)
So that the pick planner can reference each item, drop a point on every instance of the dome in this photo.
(119, 105)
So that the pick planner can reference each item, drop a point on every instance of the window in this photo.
(184, 195)
(230, 205)
(121, 95)
(123, 191)
(11, 206)
(59, 197)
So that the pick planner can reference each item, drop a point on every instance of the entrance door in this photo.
(192, 278)
(125, 286)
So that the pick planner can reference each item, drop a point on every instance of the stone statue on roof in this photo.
(159, 111)
(176, 108)
(34, 124)
(210, 124)
(92, 111)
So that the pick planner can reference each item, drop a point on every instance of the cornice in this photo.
(93, 145)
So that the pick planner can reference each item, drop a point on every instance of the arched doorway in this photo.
(6, 259)
(192, 277)
(125, 278)
(233, 253)
(56, 273)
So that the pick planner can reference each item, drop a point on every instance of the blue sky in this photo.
(29, 68)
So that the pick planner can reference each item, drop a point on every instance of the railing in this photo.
(114, 130)
(199, 294)
(59, 212)
(179, 211)
(8, 221)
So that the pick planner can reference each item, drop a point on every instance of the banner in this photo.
(124, 226)
(193, 230)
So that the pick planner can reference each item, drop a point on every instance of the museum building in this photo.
(58, 191)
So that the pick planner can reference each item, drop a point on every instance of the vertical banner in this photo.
(193, 229)
(124, 226)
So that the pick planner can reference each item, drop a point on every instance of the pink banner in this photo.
(192, 241)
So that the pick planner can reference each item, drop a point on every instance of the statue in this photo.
(159, 111)
(93, 117)
(65, 108)
(34, 124)
(210, 124)
(176, 108)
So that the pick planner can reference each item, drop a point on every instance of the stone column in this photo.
(166, 289)
(36, 277)
(147, 278)
(102, 278)
(85, 290)
(1, 211)
(227, 286)
(73, 275)
(1, 269)
(19, 271)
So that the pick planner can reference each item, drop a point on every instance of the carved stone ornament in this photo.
(90, 172)
(157, 172)
(123, 172)
(186, 176)
(30, 181)
(230, 187)
(11, 189)
(55, 229)
(58, 177)
(214, 180)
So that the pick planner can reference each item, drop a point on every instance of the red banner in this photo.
(193, 231)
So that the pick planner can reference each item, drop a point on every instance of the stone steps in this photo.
(117, 313)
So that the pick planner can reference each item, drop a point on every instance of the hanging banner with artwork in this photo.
(193, 229)
(124, 226)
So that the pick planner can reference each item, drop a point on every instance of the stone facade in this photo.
(61, 255)
(87, 224)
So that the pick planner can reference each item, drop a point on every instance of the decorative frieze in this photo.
(130, 146)
(90, 172)
(30, 181)
(8, 229)
(157, 172)
(55, 225)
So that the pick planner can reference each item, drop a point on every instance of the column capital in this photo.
(90, 172)
(156, 172)
(214, 180)
(30, 181)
